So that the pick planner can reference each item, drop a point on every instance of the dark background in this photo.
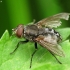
(14, 12)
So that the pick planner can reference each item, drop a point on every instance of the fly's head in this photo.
(18, 31)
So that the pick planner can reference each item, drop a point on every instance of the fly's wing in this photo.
(53, 21)
(54, 48)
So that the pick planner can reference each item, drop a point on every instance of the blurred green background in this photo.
(14, 12)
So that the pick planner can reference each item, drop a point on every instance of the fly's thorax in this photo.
(53, 34)
(30, 32)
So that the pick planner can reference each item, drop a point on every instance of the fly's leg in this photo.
(33, 54)
(21, 42)
(55, 58)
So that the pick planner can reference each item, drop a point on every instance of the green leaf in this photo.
(42, 60)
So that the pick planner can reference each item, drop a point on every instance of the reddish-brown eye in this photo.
(19, 31)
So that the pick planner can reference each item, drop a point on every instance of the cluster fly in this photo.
(43, 33)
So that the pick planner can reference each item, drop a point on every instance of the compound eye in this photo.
(19, 31)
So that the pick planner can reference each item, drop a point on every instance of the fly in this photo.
(43, 33)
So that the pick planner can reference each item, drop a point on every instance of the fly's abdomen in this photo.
(55, 35)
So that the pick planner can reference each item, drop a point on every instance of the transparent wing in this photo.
(53, 21)
(54, 48)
